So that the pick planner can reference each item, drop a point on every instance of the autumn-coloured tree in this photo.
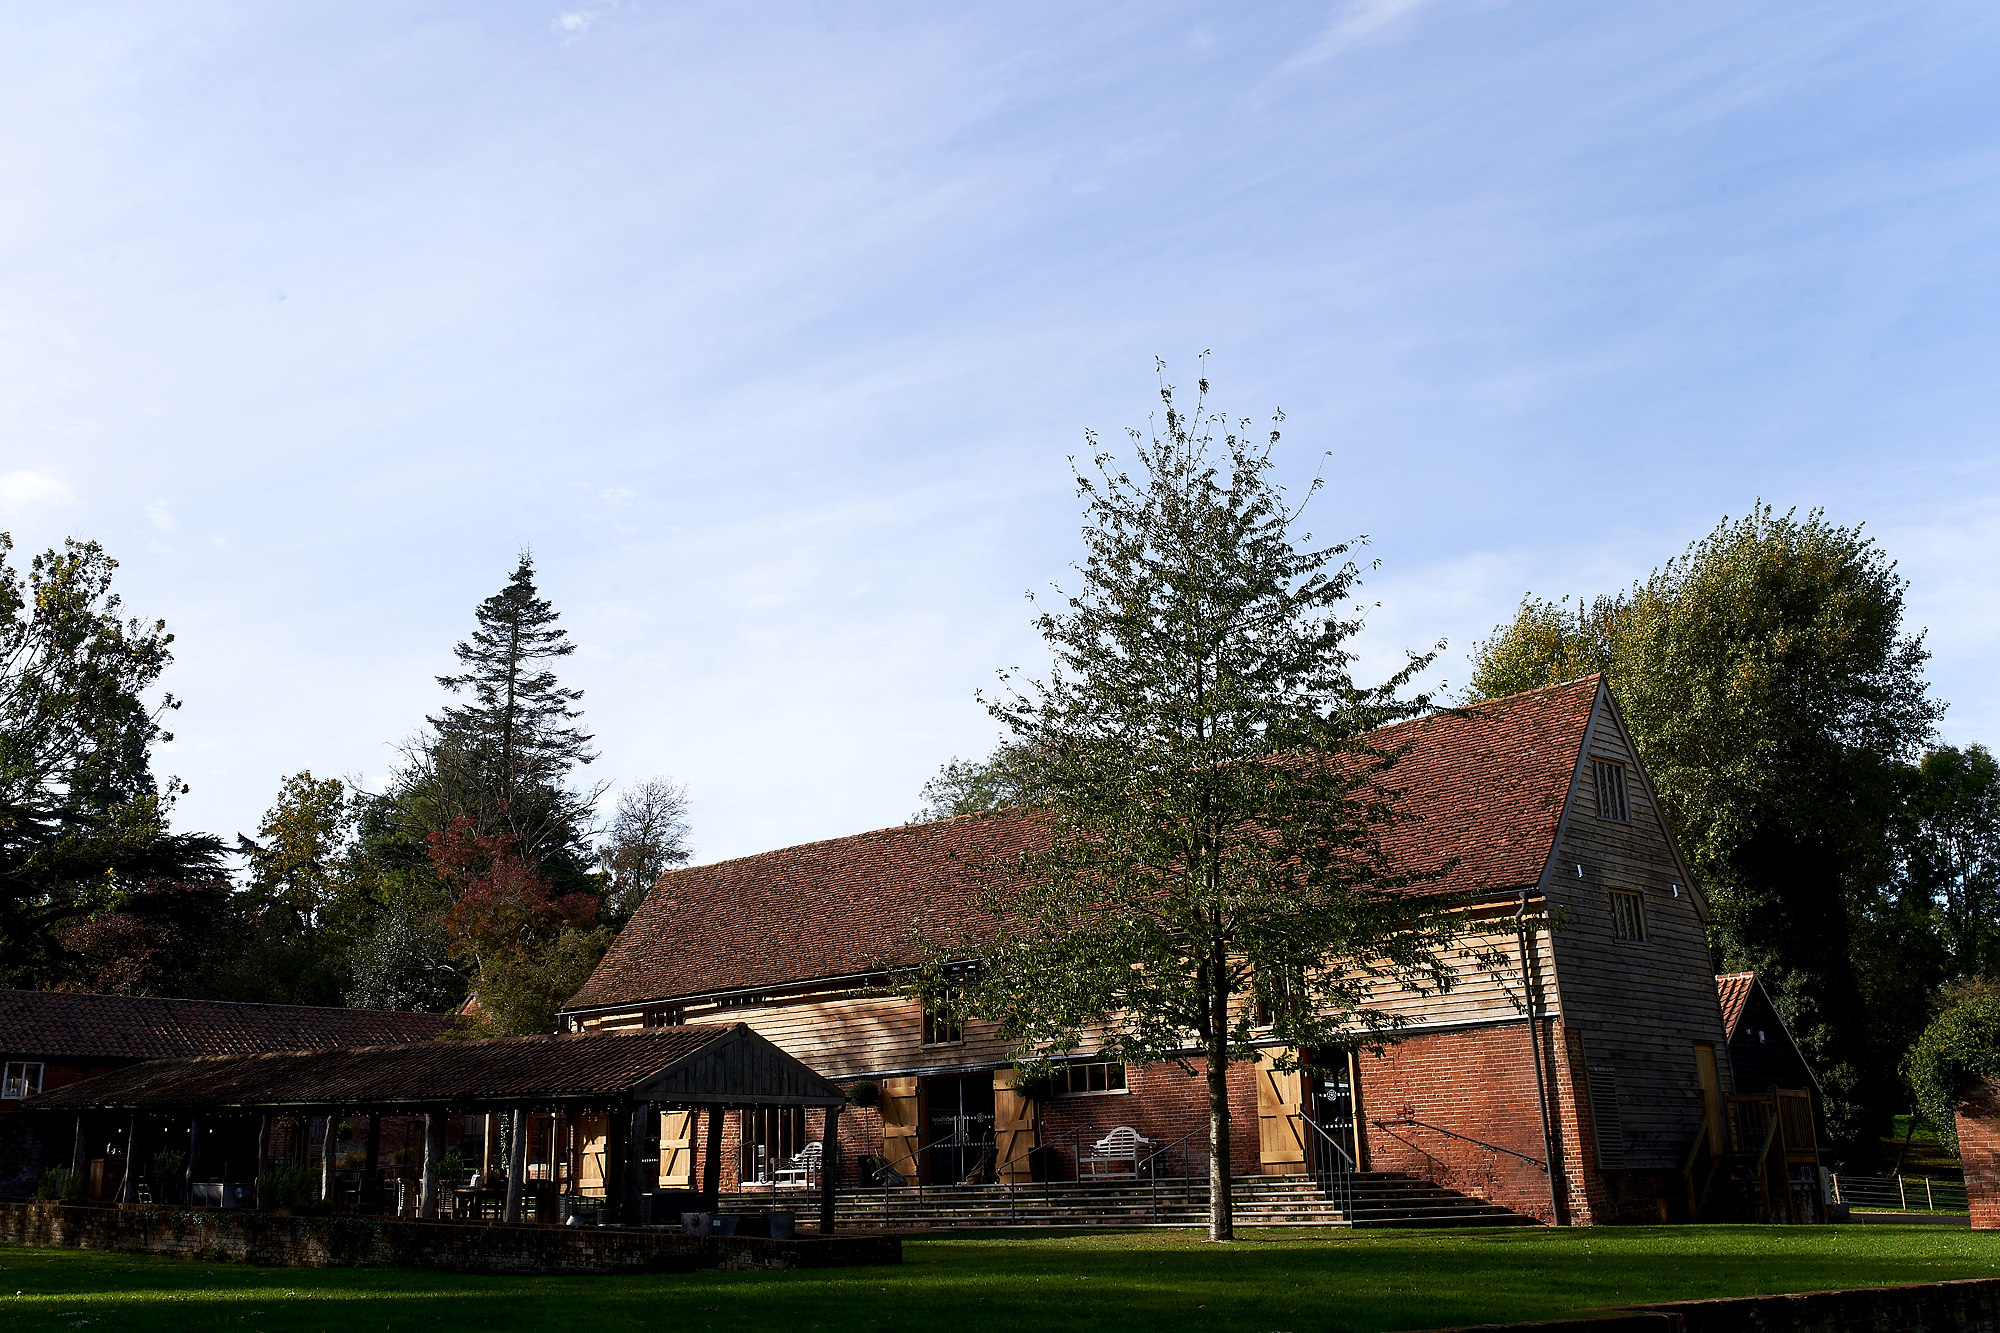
(521, 941)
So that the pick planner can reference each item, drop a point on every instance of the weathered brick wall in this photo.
(1979, 1149)
(1481, 1084)
(324, 1242)
(1163, 1104)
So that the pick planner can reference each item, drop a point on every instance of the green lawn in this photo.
(1154, 1281)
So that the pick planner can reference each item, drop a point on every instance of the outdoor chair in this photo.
(800, 1172)
(1120, 1150)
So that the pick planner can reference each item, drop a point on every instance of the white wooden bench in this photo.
(802, 1171)
(1123, 1148)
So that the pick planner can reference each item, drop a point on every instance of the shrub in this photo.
(61, 1184)
(288, 1187)
(864, 1093)
(1960, 1048)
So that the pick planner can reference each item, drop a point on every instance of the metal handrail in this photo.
(1535, 1162)
(1147, 1160)
(1337, 1185)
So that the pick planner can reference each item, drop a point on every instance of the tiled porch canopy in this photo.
(633, 1074)
(679, 1066)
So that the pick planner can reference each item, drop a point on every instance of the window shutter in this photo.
(1605, 1118)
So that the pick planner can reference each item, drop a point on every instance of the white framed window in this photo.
(1083, 1079)
(1610, 780)
(20, 1080)
(1628, 916)
(944, 1024)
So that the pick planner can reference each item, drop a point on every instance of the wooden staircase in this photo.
(1378, 1199)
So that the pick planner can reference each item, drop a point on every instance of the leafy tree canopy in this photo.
(1214, 813)
(1959, 1049)
(1774, 696)
(82, 818)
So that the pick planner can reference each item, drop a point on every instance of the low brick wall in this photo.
(1979, 1149)
(1932, 1307)
(339, 1242)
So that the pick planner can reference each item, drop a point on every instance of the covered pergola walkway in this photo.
(612, 1088)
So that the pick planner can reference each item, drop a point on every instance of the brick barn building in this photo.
(1537, 801)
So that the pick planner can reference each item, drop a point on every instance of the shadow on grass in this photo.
(1154, 1281)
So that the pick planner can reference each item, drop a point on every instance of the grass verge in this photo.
(1161, 1282)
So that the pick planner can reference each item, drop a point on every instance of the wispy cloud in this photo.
(160, 516)
(1358, 22)
(19, 490)
(572, 24)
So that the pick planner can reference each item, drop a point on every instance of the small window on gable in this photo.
(1610, 790)
(1628, 916)
(942, 1024)
(20, 1080)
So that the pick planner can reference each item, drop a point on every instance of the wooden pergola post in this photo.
(711, 1165)
(829, 1169)
(76, 1148)
(643, 1117)
(326, 1155)
(263, 1141)
(371, 1170)
(193, 1161)
(128, 1185)
(517, 1165)
(427, 1195)
(617, 1154)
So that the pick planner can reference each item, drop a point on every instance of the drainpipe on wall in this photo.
(1549, 1146)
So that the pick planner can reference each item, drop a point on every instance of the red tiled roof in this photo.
(54, 1024)
(1733, 989)
(1489, 782)
(495, 1069)
(826, 909)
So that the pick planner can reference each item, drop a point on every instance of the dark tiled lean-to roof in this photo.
(144, 1027)
(1487, 783)
(494, 1069)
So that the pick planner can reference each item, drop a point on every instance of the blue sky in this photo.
(770, 329)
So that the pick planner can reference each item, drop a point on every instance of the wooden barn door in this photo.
(1015, 1127)
(590, 1148)
(1711, 1092)
(902, 1124)
(1281, 1140)
(677, 1150)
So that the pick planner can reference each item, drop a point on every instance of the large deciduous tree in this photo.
(1214, 814)
(82, 818)
(648, 837)
(1774, 697)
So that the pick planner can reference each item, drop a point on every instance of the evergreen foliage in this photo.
(1215, 814)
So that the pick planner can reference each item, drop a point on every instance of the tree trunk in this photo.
(1221, 1209)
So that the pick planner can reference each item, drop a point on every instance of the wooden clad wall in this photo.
(1639, 1007)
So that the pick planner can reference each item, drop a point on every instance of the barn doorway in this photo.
(960, 1132)
(1333, 1110)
